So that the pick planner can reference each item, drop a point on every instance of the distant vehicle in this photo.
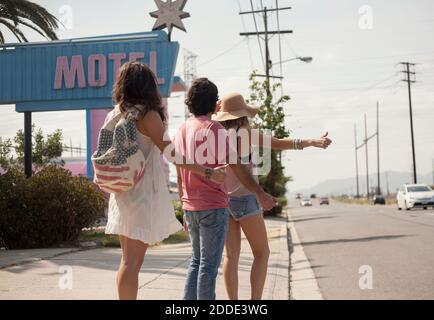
(378, 199)
(415, 196)
(313, 196)
(298, 196)
(324, 201)
(306, 202)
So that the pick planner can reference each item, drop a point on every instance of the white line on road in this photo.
(303, 281)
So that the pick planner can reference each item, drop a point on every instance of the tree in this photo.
(271, 119)
(17, 13)
(44, 149)
(6, 157)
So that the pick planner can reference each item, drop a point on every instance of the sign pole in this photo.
(28, 144)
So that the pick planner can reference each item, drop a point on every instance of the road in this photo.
(398, 245)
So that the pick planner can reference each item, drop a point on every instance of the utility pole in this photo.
(365, 145)
(433, 172)
(190, 72)
(357, 161)
(266, 33)
(387, 183)
(378, 149)
(410, 75)
(367, 157)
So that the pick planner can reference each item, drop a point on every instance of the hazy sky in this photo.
(353, 68)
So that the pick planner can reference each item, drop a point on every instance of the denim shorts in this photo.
(244, 207)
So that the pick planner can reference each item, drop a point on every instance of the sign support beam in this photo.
(28, 144)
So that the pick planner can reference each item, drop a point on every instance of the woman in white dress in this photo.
(145, 214)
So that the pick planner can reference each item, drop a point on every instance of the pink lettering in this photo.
(134, 56)
(102, 64)
(153, 65)
(63, 71)
(117, 62)
(70, 73)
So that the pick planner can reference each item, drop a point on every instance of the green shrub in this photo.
(49, 209)
(178, 210)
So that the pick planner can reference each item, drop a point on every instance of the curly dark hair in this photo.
(202, 97)
(137, 85)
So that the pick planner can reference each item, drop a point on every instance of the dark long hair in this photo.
(136, 88)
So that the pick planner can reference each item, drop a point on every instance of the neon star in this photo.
(169, 15)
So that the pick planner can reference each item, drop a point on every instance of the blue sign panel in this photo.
(79, 73)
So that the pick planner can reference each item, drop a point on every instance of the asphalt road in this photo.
(398, 246)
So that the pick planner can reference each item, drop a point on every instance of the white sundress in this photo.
(146, 212)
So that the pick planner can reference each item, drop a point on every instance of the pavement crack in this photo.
(164, 273)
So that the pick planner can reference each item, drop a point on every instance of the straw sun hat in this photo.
(233, 106)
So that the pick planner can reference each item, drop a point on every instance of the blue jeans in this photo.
(207, 234)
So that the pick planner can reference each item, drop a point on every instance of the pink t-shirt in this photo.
(205, 142)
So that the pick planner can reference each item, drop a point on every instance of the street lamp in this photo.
(304, 59)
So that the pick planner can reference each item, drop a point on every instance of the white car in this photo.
(415, 196)
(306, 202)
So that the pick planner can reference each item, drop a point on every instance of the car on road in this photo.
(378, 199)
(324, 201)
(415, 196)
(306, 202)
(298, 196)
(313, 196)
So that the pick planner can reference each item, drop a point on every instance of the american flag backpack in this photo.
(118, 162)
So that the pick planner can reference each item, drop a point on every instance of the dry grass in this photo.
(363, 201)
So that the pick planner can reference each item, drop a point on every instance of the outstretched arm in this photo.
(289, 144)
(152, 126)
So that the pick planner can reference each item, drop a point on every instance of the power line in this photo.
(280, 39)
(248, 41)
(257, 30)
(223, 53)
(268, 63)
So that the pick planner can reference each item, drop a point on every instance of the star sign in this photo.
(169, 15)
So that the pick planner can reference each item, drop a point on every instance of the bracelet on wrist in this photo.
(298, 144)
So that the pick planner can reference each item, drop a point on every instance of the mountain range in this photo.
(390, 181)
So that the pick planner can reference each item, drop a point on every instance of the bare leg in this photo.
(133, 253)
(256, 233)
(232, 256)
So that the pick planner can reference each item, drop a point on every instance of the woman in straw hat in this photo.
(246, 214)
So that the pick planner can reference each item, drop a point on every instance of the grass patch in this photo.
(112, 241)
(179, 237)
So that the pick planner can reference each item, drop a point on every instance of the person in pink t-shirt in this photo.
(204, 141)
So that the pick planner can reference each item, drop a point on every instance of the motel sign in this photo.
(78, 74)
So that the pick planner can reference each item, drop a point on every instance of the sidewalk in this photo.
(38, 274)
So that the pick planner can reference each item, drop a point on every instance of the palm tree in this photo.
(17, 13)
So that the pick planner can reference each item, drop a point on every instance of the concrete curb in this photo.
(279, 269)
(302, 278)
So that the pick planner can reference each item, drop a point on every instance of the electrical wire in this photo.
(248, 40)
(223, 53)
(257, 31)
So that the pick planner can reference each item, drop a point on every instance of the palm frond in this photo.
(15, 31)
(28, 14)
(7, 7)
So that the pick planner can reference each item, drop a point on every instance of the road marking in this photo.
(304, 285)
